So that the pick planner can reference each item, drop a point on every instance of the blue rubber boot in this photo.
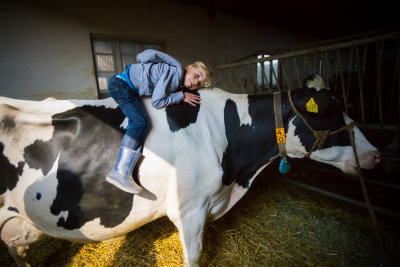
(121, 173)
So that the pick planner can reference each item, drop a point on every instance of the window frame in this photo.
(118, 57)
(267, 81)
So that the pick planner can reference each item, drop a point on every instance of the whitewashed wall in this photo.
(45, 47)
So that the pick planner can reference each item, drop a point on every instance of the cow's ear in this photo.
(316, 103)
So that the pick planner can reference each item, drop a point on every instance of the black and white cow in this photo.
(198, 162)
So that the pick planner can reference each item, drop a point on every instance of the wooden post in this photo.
(264, 76)
(254, 75)
(306, 62)
(360, 75)
(297, 71)
(284, 74)
(238, 76)
(276, 78)
(379, 58)
(342, 81)
(349, 73)
(315, 62)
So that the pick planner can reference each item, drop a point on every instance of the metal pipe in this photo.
(394, 35)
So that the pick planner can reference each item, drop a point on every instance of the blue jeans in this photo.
(128, 100)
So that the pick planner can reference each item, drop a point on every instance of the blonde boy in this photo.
(161, 76)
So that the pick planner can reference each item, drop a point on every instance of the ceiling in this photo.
(321, 19)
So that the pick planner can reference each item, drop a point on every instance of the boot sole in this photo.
(123, 188)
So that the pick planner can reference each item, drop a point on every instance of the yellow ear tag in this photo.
(311, 106)
(280, 135)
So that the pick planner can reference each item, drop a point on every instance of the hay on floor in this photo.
(276, 225)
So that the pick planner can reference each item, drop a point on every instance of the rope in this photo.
(320, 138)
(366, 196)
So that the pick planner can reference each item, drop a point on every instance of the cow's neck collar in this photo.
(279, 124)
(284, 165)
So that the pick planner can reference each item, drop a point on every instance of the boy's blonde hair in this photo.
(207, 82)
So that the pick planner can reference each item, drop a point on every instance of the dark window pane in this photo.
(130, 48)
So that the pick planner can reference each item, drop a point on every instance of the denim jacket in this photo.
(159, 75)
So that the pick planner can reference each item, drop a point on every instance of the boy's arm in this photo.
(168, 82)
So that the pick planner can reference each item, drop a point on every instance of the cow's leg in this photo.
(17, 234)
(190, 222)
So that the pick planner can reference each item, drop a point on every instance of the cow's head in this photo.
(322, 112)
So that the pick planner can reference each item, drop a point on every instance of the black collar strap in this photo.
(280, 131)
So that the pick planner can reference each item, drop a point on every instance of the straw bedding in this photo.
(273, 225)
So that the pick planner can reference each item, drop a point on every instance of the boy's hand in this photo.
(191, 99)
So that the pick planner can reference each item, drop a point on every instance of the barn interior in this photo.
(62, 50)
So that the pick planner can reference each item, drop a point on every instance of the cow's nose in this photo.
(377, 157)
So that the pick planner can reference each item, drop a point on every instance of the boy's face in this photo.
(194, 78)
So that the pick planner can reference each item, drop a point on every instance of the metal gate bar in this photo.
(332, 61)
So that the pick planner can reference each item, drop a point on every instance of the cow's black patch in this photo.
(329, 117)
(69, 194)
(38, 196)
(20, 168)
(7, 123)
(61, 222)
(307, 139)
(40, 155)
(249, 146)
(9, 173)
(87, 141)
(182, 115)
(13, 209)
(327, 106)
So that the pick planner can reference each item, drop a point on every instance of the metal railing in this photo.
(363, 74)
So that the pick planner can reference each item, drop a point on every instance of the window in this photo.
(265, 77)
(111, 55)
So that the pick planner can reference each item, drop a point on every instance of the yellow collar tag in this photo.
(311, 106)
(280, 135)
